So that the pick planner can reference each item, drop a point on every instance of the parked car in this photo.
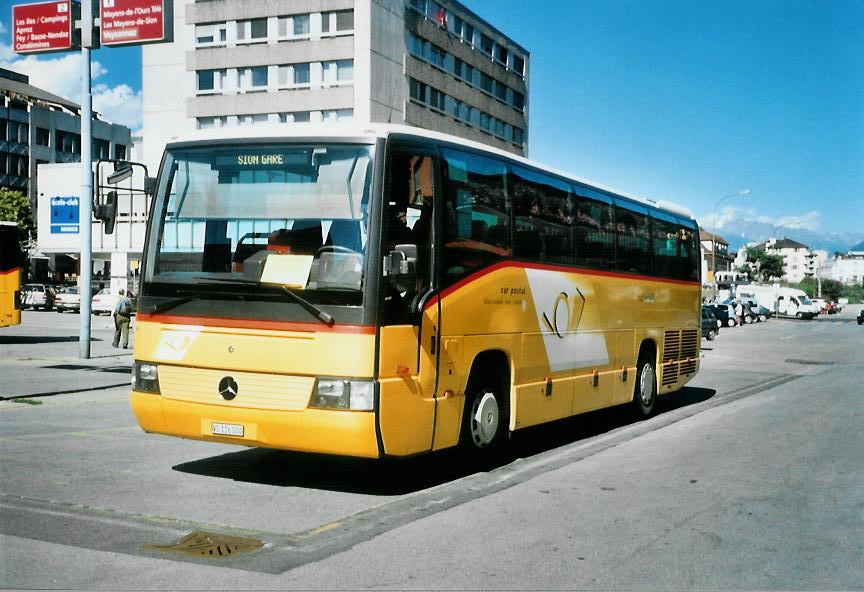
(37, 296)
(762, 313)
(861, 317)
(748, 315)
(725, 315)
(68, 299)
(104, 302)
(709, 323)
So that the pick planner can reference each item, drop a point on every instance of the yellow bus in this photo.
(11, 262)
(392, 291)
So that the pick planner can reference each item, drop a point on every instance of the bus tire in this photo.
(645, 392)
(485, 419)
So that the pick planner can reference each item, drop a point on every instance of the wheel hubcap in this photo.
(646, 385)
(484, 420)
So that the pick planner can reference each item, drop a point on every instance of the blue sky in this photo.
(685, 100)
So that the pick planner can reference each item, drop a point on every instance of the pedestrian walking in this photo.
(739, 311)
(122, 318)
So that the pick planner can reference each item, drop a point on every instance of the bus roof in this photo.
(371, 132)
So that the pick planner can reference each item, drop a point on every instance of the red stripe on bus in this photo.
(253, 324)
(8, 271)
(549, 267)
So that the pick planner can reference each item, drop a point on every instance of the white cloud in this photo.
(808, 221)
(61, 75)
(119, 104)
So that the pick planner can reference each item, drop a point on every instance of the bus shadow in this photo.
(391, 477)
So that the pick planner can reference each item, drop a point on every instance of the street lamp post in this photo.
(714, 236)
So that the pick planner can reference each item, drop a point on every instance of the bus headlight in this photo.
(145, 377)
(343, 393)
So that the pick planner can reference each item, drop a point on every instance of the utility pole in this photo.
(86, 201)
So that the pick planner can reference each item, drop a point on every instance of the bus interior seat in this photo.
(345, 233)
(300, 240)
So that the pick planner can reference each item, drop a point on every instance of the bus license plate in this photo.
(227, 429)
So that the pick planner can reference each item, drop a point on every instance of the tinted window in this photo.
(594, 232)
(477, 222)
(689, 251)
(633, 233)
(544, 214)
(665, 241)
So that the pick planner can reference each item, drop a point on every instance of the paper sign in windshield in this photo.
(287, 270)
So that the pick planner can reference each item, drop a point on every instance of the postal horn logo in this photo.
(564, 310)
(228, 388)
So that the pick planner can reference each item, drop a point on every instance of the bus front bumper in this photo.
(348, 433)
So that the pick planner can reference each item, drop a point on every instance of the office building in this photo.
(427, 63)
(40, 128)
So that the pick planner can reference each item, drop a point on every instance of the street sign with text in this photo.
(127, 22)
(43, 27)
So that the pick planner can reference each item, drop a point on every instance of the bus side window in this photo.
(477, 220)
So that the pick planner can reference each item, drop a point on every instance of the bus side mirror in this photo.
(107, 212)
(401, 262)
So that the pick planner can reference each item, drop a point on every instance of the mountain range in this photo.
(739, 232)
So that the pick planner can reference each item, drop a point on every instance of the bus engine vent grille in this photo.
(671, 346)
(680, 352)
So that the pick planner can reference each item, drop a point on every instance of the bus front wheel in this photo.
(484, 423)
(645, 394)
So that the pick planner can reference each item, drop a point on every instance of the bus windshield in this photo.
(254, 222)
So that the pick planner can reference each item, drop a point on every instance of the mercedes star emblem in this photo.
(228, 388)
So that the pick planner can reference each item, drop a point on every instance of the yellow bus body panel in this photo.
(275, 371)
(572, 337)
(10, 282)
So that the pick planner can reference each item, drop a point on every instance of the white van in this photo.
(785, 302)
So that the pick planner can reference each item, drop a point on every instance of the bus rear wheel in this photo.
(645, 394)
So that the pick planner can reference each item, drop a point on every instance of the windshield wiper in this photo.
(317, 312)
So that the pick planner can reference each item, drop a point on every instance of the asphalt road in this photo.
(750, 478)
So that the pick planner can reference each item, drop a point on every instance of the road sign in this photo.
(65, 215)
(127, 22)
(42, 27)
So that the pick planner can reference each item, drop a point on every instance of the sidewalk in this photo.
(40, 357)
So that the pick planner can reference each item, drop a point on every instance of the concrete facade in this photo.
(430, 64)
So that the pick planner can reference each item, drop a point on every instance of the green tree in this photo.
(15, 207)
(767, 266)
(831, 289)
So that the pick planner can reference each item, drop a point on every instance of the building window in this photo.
(486, 83)
(120, 151)
(206, 80)
(518, 101)
(211, 34)
(252, 30)
(519, 65)
(101, 149)
(486, 45)
(301, 25)
(345, 20)
(211, 80)
(301, 74)
(43, 137)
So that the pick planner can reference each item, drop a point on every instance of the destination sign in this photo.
(260, 159)
(127, 22)
(42, 27)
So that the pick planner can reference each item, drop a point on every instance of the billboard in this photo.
(128, 22)
(43, 26)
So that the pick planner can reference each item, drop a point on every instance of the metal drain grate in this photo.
(206, 544)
